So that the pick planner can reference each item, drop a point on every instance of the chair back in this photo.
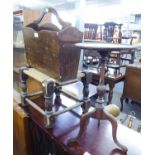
(51, 50)
(90, 31)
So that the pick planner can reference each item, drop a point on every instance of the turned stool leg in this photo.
(48, 89)
(85, 106)
(86, 80)
(57, 97)
(23, 80)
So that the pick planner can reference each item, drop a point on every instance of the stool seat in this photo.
(112, 109)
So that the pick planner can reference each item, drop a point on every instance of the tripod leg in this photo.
(114, 130)
(83, 124)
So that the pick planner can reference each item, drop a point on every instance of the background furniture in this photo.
(132, 84)
(113, 35)
(90, 31)
(90, 57)
(125, 57)
(109, 31)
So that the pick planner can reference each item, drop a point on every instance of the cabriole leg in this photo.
(23, 82)
(114, 124)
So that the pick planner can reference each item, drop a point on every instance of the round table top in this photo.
(105, 46)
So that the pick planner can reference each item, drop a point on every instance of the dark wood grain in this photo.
(95, 140)
(51, 50)
(132, 84)
(110, 80)
(21, 143)
(57, 59)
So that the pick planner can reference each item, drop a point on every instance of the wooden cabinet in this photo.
(132, 83)
(20, 131)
